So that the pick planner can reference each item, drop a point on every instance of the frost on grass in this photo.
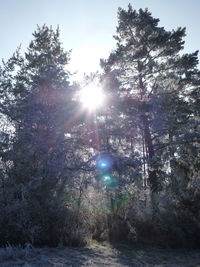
(97, 254)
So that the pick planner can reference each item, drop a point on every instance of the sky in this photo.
(87, 26)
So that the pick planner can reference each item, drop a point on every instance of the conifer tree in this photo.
(152, 72)
(38, 103)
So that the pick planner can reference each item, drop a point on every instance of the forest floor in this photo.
(99, 254)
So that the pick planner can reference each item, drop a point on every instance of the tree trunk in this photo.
(153, 179)
(172, 165)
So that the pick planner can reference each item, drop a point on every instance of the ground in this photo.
(96, 254)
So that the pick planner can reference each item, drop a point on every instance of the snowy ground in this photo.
(99, 255)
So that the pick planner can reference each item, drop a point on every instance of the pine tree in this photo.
(152, 72)
(38, 101)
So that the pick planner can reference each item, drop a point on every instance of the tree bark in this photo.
(153, 181)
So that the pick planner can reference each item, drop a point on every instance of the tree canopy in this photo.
(126, 170)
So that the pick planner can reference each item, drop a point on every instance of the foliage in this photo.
(52, 189)
(155, 87)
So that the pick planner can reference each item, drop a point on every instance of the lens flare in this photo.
(104, 163)
(107, 179)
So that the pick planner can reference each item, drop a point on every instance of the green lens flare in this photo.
(107, 179)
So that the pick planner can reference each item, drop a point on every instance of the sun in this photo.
(92, 97)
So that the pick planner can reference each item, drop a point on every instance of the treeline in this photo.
(148, 133)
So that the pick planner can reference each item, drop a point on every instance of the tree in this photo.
(38, 101)
(150, 69)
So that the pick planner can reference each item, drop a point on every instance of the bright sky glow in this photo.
(87, 27)
(92, 97)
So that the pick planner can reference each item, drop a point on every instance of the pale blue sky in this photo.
(87, 26)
